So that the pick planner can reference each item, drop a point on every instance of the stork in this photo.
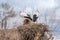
(28, 16)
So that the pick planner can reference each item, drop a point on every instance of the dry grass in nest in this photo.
(33, 32)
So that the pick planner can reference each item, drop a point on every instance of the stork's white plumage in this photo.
(36, 12)
(25, 15)
(21, 13)
(28, 10)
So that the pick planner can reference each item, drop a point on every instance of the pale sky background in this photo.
(40, 4)
(45, 6)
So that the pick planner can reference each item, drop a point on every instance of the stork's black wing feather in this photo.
(28, 17)
(34, 17)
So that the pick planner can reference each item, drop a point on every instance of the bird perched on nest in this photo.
(28, 16)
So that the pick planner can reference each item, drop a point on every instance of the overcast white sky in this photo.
(22, 4)
(32, 3)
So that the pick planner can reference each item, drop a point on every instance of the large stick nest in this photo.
(25, 32)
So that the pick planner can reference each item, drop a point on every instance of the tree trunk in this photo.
(4, 23)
